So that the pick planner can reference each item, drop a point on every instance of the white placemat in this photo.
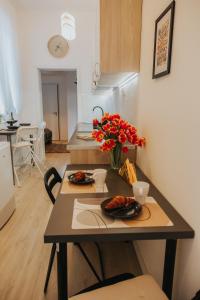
(69, 188)
(87, 214)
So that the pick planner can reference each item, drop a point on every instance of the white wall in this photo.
(36, 26)
(105, 100)
(10, 88)
(169, 118)
(72, 107)
(126, 101)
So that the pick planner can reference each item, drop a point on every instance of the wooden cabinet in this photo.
(120, 35)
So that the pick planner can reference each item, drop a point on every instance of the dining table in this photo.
(60, 230)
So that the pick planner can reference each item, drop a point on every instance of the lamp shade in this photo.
(68, 26)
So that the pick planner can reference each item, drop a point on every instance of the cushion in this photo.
(140, 288)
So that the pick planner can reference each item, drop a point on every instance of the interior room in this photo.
(59, 100)
(99, 187)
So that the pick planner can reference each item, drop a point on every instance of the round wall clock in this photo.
(58, 46)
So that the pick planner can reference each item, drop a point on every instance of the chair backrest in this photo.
(51, 178)
(197, 296)
(40, 138)
(25, 133)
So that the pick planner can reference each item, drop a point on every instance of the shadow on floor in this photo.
(56, 148)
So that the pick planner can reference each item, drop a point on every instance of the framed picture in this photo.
(163, 42)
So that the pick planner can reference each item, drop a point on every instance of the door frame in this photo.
(58, 104)
(42, 69)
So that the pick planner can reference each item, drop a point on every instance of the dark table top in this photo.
(7, 132)
(59, 227)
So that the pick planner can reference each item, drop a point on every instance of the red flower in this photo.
(106, 127)
(94, 134)
(106, 117)
(141, 142)
(113, 130)
(124, 124)
(122, 138)
(98, 135)
(132, 129)
(125, 149)
(115, 122)
(95, 122)
(116, 116)
(133, 139)
(108, 145)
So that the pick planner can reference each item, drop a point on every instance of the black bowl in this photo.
(87, 180)
(12, 127)
(11, 122)
(129, 212)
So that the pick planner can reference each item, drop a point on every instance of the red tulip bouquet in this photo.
(113, 133)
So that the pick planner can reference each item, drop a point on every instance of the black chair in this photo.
(51, 178)
(197, 296)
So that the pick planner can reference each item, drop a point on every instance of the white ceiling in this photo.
(80, 5)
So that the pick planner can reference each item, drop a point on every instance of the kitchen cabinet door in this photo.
(120, 35)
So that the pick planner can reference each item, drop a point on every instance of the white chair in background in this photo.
(36, 138)
(40, 145)
(26, 147)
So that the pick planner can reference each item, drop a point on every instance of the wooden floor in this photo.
(24, 257)
(56, 148)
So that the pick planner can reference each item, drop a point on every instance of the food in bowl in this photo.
(79, 176)
(119, 202)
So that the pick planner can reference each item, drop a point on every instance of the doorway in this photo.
(50, 95)
(59, 102)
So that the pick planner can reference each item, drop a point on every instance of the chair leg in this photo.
(88, 262)
(100, 260)
(34, 160)
(38, 159)
(17, 177)
(51, 259)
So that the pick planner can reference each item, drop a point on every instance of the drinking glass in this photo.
(140, 191)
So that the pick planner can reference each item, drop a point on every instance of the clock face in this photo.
(58, 46)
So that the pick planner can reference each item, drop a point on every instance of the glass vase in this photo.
(116, 157)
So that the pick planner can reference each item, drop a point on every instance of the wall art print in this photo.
(163, 42)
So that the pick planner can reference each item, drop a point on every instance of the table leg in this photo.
(168, 275)
(9, 139)
(32, 148)
(62, 272)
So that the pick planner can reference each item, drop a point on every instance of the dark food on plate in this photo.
(79, 176)
(121, 207)
(25, 124)
(119, 202)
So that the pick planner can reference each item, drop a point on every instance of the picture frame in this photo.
(163, 40)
